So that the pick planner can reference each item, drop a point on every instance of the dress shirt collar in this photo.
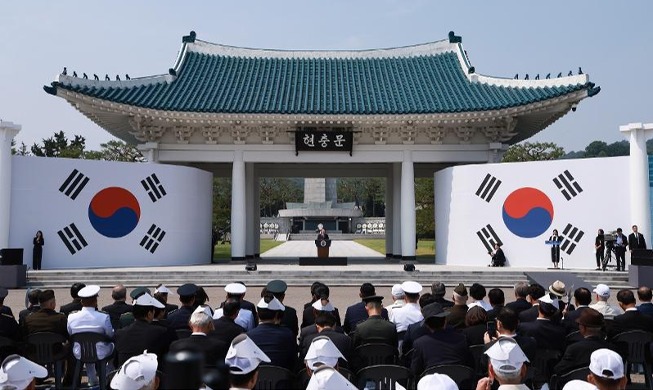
(198, 334)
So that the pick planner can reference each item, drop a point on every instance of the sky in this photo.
(611, 41)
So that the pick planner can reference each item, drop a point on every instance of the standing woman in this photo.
(555, 248)
(599, 245)
(38, 250)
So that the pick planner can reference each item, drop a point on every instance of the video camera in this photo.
(610, 238)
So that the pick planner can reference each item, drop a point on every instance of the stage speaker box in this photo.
(11, 256)
(641, 257)
(409, 267)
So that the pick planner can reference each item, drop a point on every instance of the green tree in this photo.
(116, 150)
(533, 151)
(424, 204)
(60, 146)
(274, 192)
(368, 193)
(221, 202)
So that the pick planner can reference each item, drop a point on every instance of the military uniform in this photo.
(46, 320)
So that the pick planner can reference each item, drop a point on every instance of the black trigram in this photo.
(153, 238)
(567, 185)
(488, 188)
(72, 238)
(153, 187)
(570, 238)
(74, 184)
(488, 237)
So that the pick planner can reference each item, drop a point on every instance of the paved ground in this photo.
(307, 248)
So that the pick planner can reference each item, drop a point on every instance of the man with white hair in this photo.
(213, 349)
(411, 312)
(506, 366)
(398, 298)
(17, 372)
(243, 359)
(137, 373)
(602, 294)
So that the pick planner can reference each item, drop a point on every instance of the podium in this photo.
(322, 248)
(556, 244)
(641, 265)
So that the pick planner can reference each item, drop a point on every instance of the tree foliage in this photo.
(533, 151)
(275, 192)
(60, 146)
(424, 204)
(368, 193)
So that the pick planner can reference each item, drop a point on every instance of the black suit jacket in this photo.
(356, 314)
(636, 242)
(290, 321)
(529, 315)
(456, 317)
(226, 329)
(341, 341)
(630, 320)
(214, 351)
(441, 347)
(519, 305)
(115, 310)
(9, 327)
(578, 354)
(646, 308)
(569, 322)
(75, 305)
(140, 336)
(178, 319)
(277, 342)
(413, 332)
(474, 334)
(308, 318)
(547, 334)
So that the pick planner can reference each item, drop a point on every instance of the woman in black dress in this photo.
(37, 255)
(555, 248)
(599, 245)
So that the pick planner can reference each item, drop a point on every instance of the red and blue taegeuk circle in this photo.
(114, 212)
(527, 212)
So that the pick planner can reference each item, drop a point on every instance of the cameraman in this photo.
(599, 245)
(620, 250)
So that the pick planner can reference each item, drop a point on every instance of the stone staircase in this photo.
(382, 274)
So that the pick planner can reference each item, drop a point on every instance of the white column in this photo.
(640, 207)
(389, 209)
(249, 209)
(150, 151)
(408, 222)
(238, 213)
(8, 131)
(396, 210)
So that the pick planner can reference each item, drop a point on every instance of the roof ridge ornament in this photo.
(453, 38)
(190, 38)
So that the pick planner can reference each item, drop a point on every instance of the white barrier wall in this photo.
(521, 203)
(110, 214)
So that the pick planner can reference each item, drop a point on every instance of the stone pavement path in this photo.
(307, 249)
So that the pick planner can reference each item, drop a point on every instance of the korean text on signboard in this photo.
(332, 140)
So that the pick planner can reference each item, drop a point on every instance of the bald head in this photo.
(119, 293)
(644, 294)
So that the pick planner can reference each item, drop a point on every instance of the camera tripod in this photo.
(609, 250)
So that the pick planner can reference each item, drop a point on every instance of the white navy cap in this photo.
(328, 378)
(578, 384)
(397, 291)
(17, 371)
(323, 305)
(206, 309)
(162, 289)
(411, 287)
(551, 301)
(235, 288)
(89, 291)
(136, 373)
(244, 356)
(602, 290)
(606, 364)
(324, 351)
(506, 356)
(147, 300)
(436, 381)
(273, 304)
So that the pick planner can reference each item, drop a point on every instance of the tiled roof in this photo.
(215, 81)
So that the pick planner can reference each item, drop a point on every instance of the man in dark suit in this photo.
(118, 307)
(375, 329)
(33, 299)
(535, 292)
(520, 303)
(76, 304)
(141, 335)
(439, 290)
(178, 319)
(636, 240)
(289, 320)
(497, 300)
(620, 244)
(225, 328)
(583, 298)
(161, 293)
(632, 319)
(201, 324)
(320, 292)
(578, 354)
(458, 311)
(645, 306)
(546, 333)
(442, 345)
(356, 313)
(8, 325)
(507, 324)
(276, 341)
(325, 323)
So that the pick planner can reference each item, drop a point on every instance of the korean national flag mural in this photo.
(108, 214)
(519, 204)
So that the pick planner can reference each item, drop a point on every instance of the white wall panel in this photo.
(603, 202)
(183, 213)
